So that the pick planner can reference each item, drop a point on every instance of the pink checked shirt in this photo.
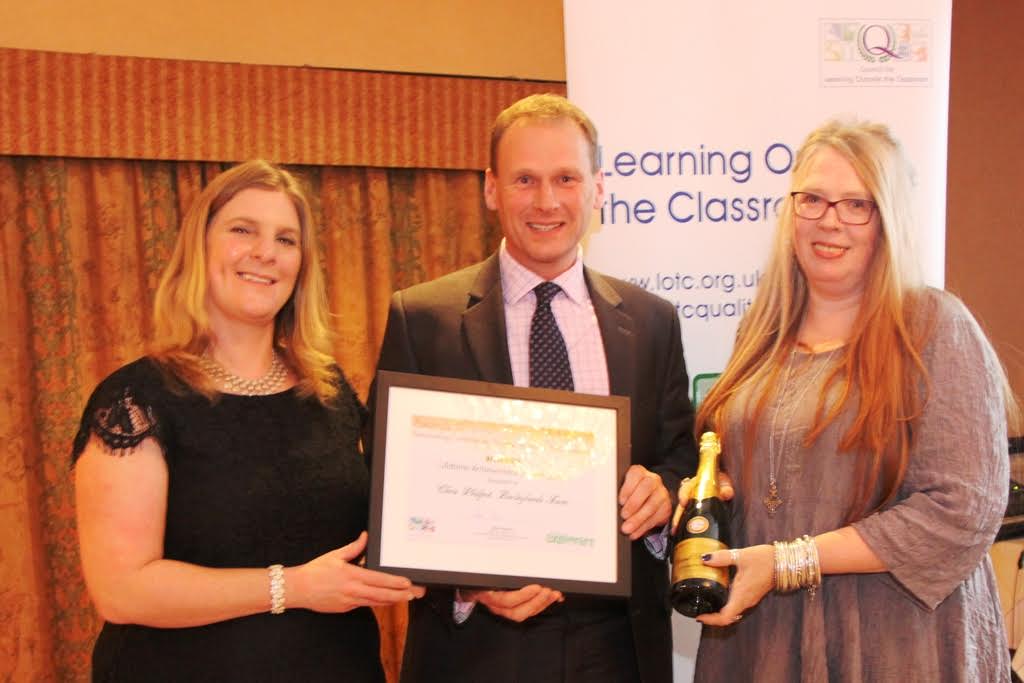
(573, 312)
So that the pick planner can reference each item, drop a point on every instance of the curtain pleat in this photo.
(84, 242)
(104, 106)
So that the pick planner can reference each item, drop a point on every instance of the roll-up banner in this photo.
(701, 107)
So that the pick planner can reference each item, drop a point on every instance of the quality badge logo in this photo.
(875, 53)
(877, 43)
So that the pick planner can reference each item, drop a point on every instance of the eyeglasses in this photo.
(850, 211)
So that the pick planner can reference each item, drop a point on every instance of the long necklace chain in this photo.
(772, 501)
(269, 383)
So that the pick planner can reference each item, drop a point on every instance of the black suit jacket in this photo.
(455, 327)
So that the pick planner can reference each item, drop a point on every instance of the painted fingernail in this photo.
(706, 556)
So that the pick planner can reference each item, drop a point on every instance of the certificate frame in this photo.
(574, 487)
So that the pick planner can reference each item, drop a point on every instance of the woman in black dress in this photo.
(221, 492)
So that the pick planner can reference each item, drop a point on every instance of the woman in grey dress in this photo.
(864, 423)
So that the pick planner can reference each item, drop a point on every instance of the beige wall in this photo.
(499, 38)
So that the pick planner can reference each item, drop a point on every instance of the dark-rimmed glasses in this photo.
(850, 211)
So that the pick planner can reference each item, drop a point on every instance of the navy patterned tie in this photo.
(549, 360)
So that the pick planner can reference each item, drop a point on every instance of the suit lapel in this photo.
(483, 323)
(617, 332)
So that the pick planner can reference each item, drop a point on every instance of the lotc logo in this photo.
(877, 43)
(875, 53)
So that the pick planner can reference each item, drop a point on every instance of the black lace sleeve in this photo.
(121, 411)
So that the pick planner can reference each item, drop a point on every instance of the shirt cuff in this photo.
(657, 542)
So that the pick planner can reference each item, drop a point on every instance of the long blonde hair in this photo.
(301, 329)
(882, 361)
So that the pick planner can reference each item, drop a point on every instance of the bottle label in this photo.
(686, 562)
(698, 524)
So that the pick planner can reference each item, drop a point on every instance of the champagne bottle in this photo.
(703, 528)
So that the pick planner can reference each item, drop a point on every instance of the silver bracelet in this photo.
(796, 566)
(276, 588)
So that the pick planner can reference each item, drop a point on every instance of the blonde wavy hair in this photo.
(882, 361)
(301, 330)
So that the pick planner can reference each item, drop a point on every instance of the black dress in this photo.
(253, 481)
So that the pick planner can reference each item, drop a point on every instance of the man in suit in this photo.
(544, 183)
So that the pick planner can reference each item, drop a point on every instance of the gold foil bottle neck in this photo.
(707, 468)
(710, 441)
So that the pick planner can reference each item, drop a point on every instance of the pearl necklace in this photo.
(772, 501)
(270, 383)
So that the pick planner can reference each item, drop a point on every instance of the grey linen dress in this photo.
(934, 616)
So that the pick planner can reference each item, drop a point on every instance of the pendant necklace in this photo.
(773, 501)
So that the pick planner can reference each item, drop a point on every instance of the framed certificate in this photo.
(489, 485)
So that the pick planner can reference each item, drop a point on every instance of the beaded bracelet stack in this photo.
(276, 588)
(796, 565)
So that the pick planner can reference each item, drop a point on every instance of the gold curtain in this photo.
(83, 243)
(101, 106)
